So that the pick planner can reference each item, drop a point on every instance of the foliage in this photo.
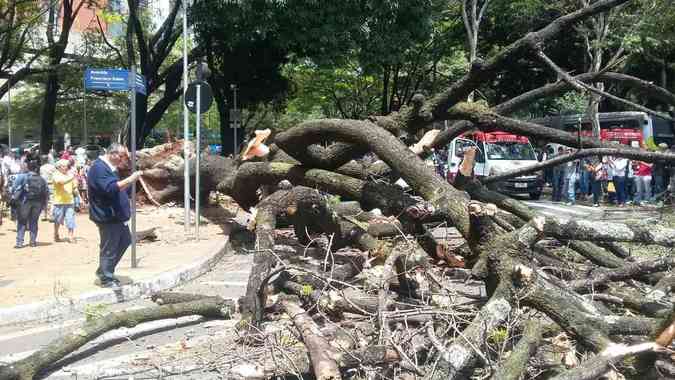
(306, 290)
(18, 32)
(498, 336)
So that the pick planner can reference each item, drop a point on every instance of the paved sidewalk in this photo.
(61, 271)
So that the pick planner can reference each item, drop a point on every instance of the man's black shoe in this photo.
(18, 246)
(112, 284)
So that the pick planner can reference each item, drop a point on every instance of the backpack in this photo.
(34, 187)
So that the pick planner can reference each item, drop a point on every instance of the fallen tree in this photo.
(368, 285)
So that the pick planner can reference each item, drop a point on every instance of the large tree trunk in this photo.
(48, 113)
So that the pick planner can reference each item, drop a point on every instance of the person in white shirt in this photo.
(80, 156)
(46, 172)
(619, 166)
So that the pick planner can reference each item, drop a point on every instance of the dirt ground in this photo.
(62, 269)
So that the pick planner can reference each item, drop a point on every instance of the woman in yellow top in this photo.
(65, 187)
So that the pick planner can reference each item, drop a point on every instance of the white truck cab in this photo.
(498, 152)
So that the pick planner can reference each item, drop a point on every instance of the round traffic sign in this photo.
(206, 96)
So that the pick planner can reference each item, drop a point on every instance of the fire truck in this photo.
(497, 153)
(623, 127)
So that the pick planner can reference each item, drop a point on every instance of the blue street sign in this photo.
(113, 80)
(140, 84)
(106, 79)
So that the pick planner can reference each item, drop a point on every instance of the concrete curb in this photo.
(46, 310)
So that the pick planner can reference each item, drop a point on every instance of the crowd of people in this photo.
(59, 187)
(607, 179)
(50, 185)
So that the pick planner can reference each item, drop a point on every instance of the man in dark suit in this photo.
(110, 209)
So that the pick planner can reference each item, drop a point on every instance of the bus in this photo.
(624, 127)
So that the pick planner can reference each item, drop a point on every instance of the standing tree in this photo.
(18, 20)
(151, 51)
(65, 11)
(473, 12)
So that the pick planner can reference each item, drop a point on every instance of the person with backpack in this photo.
(30, 194)
(63, 212)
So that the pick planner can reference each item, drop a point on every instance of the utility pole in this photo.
(132, 79)
(9, 112)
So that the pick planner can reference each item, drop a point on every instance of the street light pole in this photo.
(9, 112)
(186, 127)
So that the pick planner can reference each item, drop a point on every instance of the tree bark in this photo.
(321, 354)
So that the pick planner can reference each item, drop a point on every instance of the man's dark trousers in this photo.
(115, 239)
(28, 215)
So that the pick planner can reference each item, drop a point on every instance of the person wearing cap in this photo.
(63, 212)
(110, 210)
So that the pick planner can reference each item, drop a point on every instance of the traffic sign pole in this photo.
(186, 128)
(198, 152)
(134, 264)
(84, 115)
(121, 80)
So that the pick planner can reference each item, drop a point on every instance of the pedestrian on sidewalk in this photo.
(47, 171)
(643, 183)
(12, 168)
(585, 178)
(65, 187)
(558, 179)
(598, 174)
(110, 209)
(31, 192)
(620, 169)
(659, 174)
(571, 177)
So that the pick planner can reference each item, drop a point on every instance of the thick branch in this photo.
(485, 119)
(580, 86)
(516, 364)
(31, 366)
(321, 354)
(626, 232)
(602, 363)
(618, 152)
(388, 148)
(435, 108)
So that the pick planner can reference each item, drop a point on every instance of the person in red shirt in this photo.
(67, 154)
(643, 183)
